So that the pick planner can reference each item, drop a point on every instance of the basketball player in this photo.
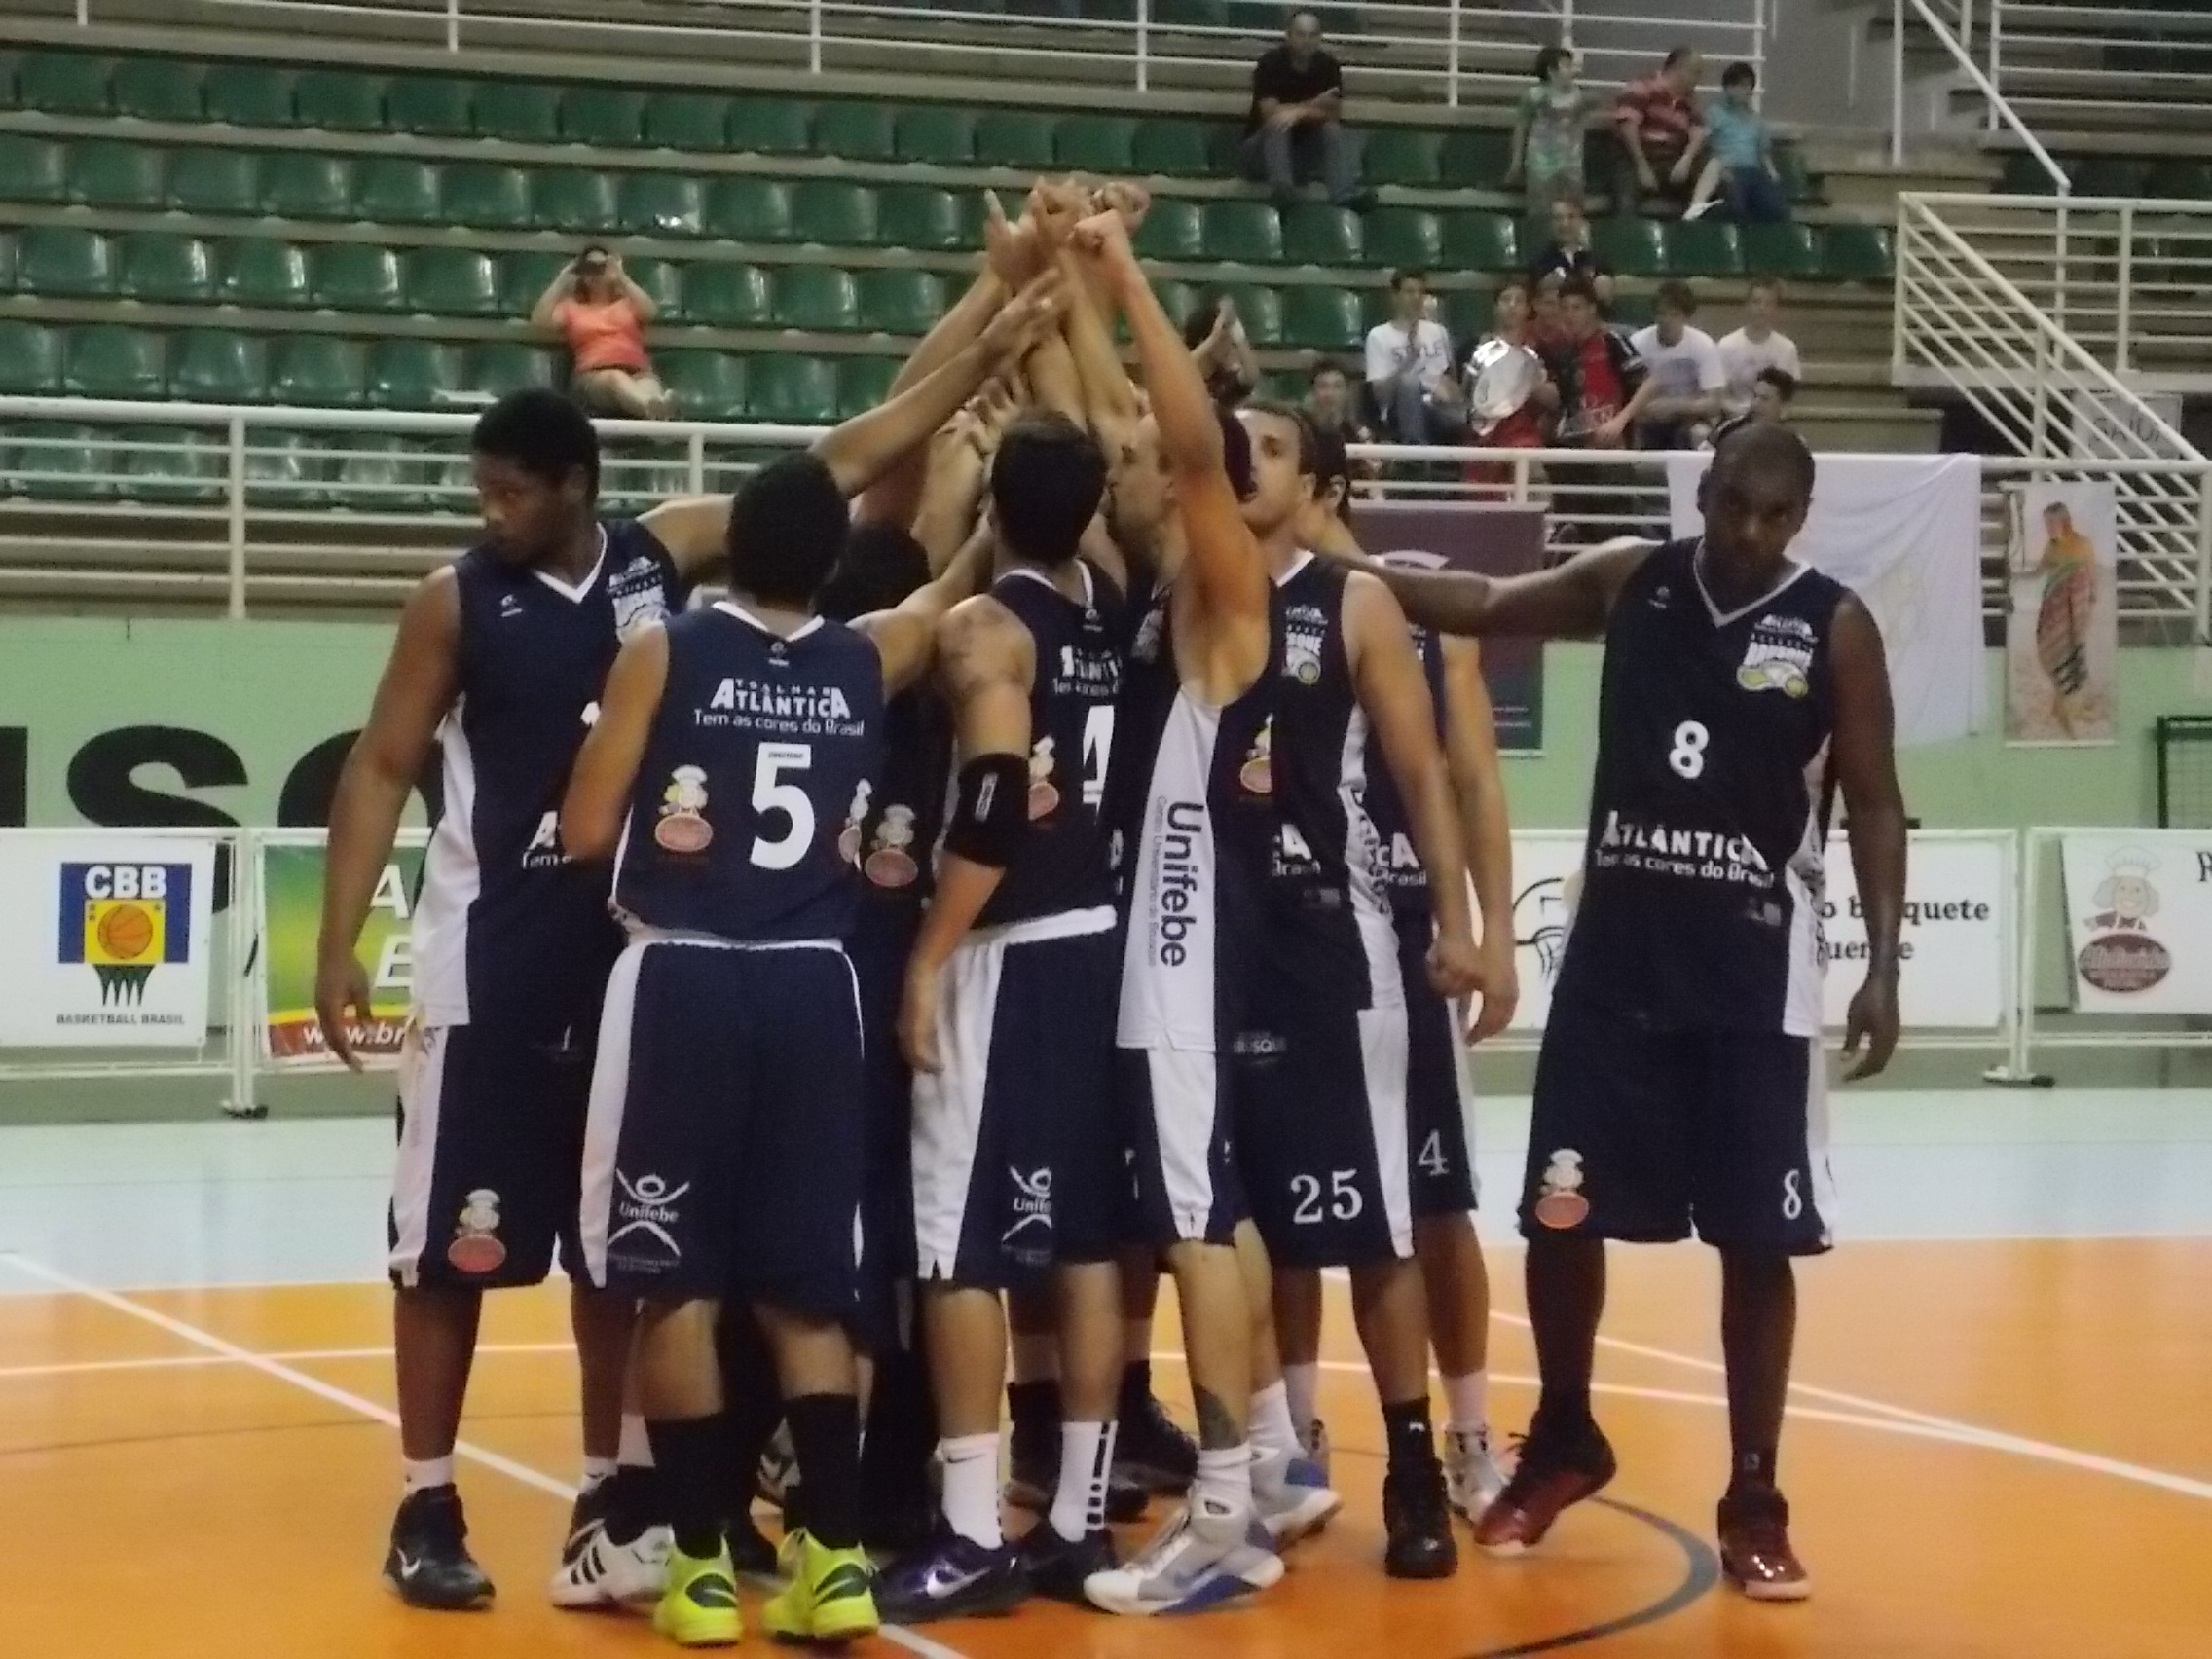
(1681, 1082)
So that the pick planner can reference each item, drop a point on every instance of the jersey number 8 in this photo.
(1687, 756)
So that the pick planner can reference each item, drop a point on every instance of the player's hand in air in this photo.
(1131, 201)
(1010, 247)
(1500, 994)
(1055, 207)
(1873, 1021)
(341, 986)
(1023, 319)
(917, 1017)
(1455, 965)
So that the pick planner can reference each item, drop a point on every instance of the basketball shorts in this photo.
(491, 1142)
(1179, 1124)
(1440, 1099)
(1641, 1132)
(1016, 1152)
(880, 948)
(723, 1154)
(1321, 1091)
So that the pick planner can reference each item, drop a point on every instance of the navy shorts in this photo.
(725, 1153)
(1018, 1158)
(880, 948)
(1179, 1124)
(1440, 1099)
(1641, 1132)
(491, 1142)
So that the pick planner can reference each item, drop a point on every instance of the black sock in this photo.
(688, 1453)
(755, 1406)
(1753, 1469)
(825, 1434)
(901, 1431)
(1136, 1388)
(637, 1503)
(1034, 1408)
(1407, 1433)
(1566, 1296)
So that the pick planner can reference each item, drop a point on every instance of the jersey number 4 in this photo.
(770, 793)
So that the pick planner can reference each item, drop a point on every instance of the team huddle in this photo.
(1063, 859)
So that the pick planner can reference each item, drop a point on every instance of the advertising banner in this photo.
(108, 939)
(2062, 621)
(2139, 919)
(291, 915)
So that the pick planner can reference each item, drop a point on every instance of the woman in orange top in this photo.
(603, 316)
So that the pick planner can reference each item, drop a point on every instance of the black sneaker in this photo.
(1418, 1522)
(428, 1562)
(953, 1578)
(1057, 1568)
(898, 1523)
(749, 1551)
(1151, 1450)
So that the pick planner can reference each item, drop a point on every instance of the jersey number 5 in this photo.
(770, 793)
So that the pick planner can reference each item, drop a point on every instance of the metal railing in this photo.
(1953, 34)
(2149, 65)
(250, 507)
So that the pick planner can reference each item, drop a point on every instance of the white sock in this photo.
(972, 1487)
(429, 1472)
(636, 1449)
(1466, 1403)
(1223, 1490)
(597, 1471)
(1303, 1382)
(1273, 1431)
(1086, 1455)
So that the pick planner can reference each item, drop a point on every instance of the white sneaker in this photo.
(1314, 1439)
(1292, 1498)
(1193, 1563)
(596, 1571)
(779, 1466)
(1472, 1478)
(1697, 210)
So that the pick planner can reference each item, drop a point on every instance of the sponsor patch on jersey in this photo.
(646, 1208)
(1779, 657)
(1561, 1203)
(476, 1247)
(1258, 773)
(849, 838)
(1301, 654)
(888, 864)
(1146, 645)
(682, 827)
(1043, 797)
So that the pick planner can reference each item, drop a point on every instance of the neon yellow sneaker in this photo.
(831, 1596)
(699, 1609)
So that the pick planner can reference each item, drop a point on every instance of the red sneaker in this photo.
(1550, 1476)
(1755, 1548)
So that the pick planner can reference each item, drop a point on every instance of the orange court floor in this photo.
(1998, 1449)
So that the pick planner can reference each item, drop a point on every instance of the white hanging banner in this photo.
(2139, 919)
(108, 941)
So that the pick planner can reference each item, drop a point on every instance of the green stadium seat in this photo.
(319, 369)
(1245, 232)
(354, 276)
(7, 262)
(56, 463)
(31, 359)
(396, 190)
(1207, 14)
(217, 365)
(106, 361)
(815, 297)
(1632, 246)
(485, 196)
(1400, 238)
(339, 100)
(63, 83)
(65, 263)
(1260, 309)
(1178, 298)
(792, 390)
(572, 199)
(1172, 149)
(296, 186)
(855, 131)
(763, 126)
(1321, 319)
(286, 471)
(156, 89)
(834, 213)
(706, 386)
(864, 383)
(1316, 233)
(1403, 155)
(2112, 175)
(378, 472)
(173, 465)
(1013, 138)
(2024, 175)
(661, 204)
(936, 133)
(727, 295)
(433, 106)
(1780, 250)
(248, 95)
(108, 174)
(410, 374)
(1797, 181)
(501, 366)
(919, 218)
(687, 121)
(1467, 313)
(253, 272)
(162, 269)
(1103, 144)
(1632, 311)
(662, 282)
(522, 112)
(1703, 248)
(1474, 158)
(607, 117)
(1173, 230)
(901, 302)
(2181, 178)
(525, 275)
(36, 169)
(749, 209)
(1856, 253)
(225, 182)
(1481, 241)
(449, 281)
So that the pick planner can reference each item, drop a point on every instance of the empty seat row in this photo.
(2173, 177)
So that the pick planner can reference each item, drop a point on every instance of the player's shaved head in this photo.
(880, 566)
(1769, 450)
(1754, 498)
(786, 527)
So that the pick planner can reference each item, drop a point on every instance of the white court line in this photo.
(336, 1396)
(171, 1362)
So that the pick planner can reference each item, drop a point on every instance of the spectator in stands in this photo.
(1689, 387)
(1408, 357)
(1295, 129)
(1759, 346)
(603, 316)
(1661, 131)
(1513, 320)
(1570, 254)
(1223, 350)
(1329, 401)
(1602, 386)
(1742, 168)
(1772, 395)
(1547, 140)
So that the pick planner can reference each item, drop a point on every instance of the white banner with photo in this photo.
(108, 939)
(1952, 976)
(1904, 534)
(2062, 621)
(2139, 919)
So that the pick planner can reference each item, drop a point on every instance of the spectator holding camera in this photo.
(601, 316)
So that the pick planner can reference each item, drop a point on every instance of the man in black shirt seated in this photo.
(1570, 254)
(1295, 130)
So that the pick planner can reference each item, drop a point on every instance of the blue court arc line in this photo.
(1701, 1575)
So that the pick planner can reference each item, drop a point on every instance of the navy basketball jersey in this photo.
(745, 822)
(1061, 864)
(1328, 915)
(507, 927)
(906, 812)
(1405, 882)
(1703, 874)
(1190, 801)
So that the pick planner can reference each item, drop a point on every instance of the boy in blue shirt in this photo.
(1742, 168)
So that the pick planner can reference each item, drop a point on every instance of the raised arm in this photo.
(1866, 765)
(1570, 600)
(543, 315)
(695, 531)
(1478, 791)
(607, 766)
(905, 636)
(641, 301)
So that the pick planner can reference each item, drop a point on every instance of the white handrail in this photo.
(1997, 104)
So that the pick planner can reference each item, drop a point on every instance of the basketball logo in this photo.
(475, 1247)
(1043, 797)
(681, 827)
(1560, 1205)
(125, 931)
